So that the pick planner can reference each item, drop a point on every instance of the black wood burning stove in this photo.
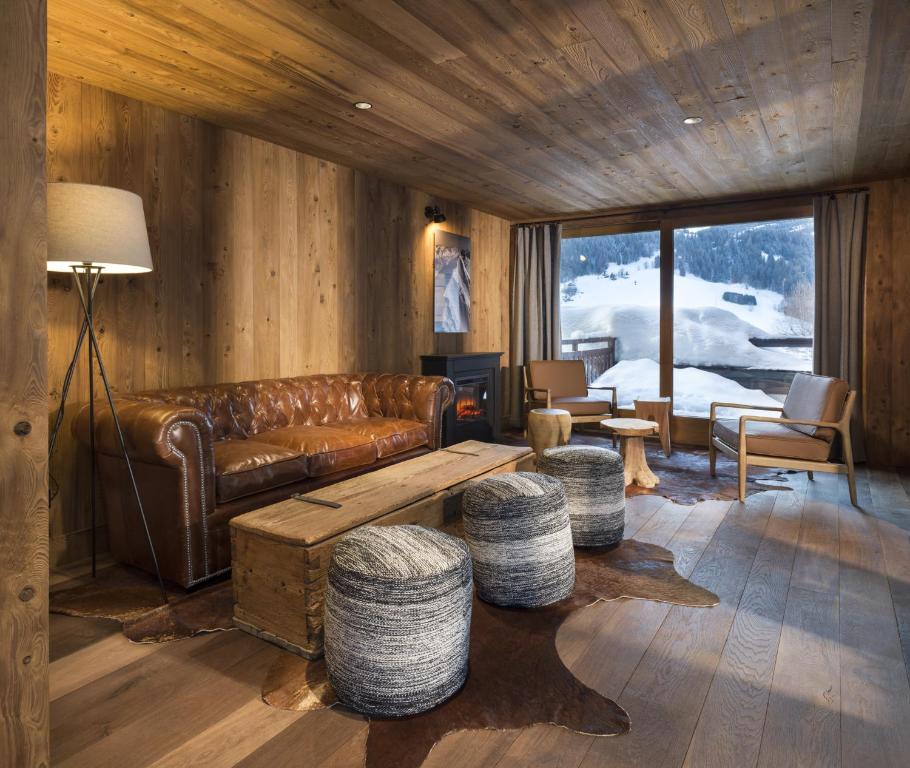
(475, 414)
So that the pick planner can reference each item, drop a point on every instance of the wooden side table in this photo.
(657, 409)
(548, 427)
(633, 433)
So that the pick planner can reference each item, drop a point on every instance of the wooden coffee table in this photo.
(633, 432)
(281, 553)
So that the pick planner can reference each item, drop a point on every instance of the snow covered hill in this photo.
(708, 330)
(694, 390)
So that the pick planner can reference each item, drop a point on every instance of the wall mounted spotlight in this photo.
(433, 213)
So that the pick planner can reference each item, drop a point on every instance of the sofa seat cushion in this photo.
(328, 448)
(244, 467)
(582, 406)
(390, 435)
(768, 439)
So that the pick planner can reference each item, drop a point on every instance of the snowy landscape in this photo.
(714, 320)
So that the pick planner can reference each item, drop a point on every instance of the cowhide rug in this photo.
(516, 678)
(134, 599)
(684, 477)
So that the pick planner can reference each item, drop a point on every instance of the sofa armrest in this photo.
(171, 449)
(155, 433)
(404, 396)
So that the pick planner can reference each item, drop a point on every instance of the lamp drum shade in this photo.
(101, 226)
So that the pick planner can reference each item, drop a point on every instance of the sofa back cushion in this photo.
(251, 407)
(818, 398)
(307, 401)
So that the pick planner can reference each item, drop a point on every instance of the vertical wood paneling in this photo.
(23, 390)
(900, 324)
(291, 353)
(268, 262)
(349, 288)
(887, 323)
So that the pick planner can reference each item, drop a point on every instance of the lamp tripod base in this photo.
(87, 277)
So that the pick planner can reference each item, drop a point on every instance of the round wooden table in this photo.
(548, 427)
(632, 432)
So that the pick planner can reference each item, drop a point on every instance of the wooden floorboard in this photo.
(669, 685)
(804, 662)
(73, 633)
(889, 505)
(875, 702)
(731, 722)
(802, 724)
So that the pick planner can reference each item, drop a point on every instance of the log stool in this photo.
(594, 482)
(633, 432)
(657, 409)
(548, 427)
(517, 527)
(397, 619)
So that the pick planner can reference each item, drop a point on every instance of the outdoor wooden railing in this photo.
(596, 360)
(785, 341)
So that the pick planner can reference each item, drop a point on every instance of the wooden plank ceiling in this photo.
(532, 107)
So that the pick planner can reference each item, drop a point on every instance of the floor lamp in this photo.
(93, 230)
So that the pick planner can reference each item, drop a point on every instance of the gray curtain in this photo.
(840, 256)
(534, 311)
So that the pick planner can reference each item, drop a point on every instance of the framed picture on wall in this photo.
(452, 283)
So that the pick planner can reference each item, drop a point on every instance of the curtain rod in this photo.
(657, 210)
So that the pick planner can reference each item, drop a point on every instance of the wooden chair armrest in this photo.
(612, 399)
(546, 393)
(781, 420)
(715, 406)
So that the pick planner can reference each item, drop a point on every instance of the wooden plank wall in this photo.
(150, 327)
(319, 268)
(23, 389)
(268, 262)
(887, 321)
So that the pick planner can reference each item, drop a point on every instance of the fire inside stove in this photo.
(471, 401)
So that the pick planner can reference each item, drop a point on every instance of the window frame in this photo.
(690, 430)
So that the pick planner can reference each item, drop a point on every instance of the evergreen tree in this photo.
(777, 255)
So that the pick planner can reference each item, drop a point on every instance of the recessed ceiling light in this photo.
(362, 105)
(694, 120)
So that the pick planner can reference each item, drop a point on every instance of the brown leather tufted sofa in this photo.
(203, 455)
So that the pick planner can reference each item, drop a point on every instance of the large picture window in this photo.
(742, 320)
(610, 310)
(743, 308)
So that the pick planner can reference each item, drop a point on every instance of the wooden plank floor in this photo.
(804, 662)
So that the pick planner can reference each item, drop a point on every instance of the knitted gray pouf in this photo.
(596, 489)
(517, 526)
(397, 619)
